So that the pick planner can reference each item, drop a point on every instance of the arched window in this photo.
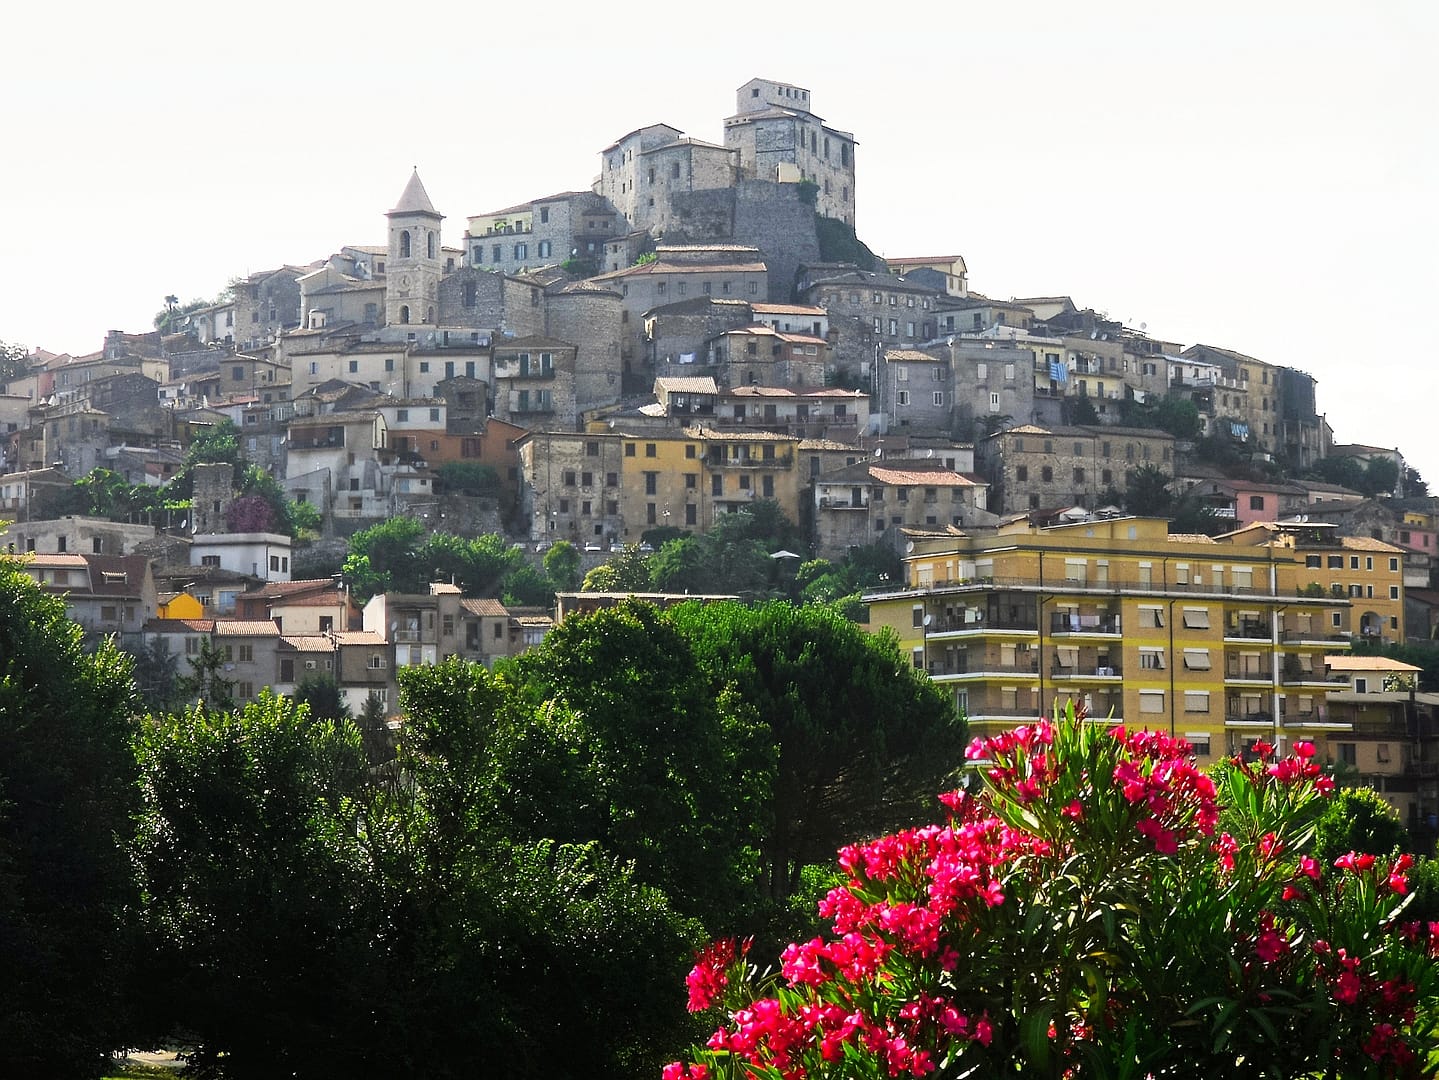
(430, 316)
(405, 244)
(405, 308)
(429, 245)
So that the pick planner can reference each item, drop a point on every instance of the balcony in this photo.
(779, 461)
(1249, 719)
(1102, 672)
(1063, 623)
(981, 668)
(1238, 670)
(1248, 631)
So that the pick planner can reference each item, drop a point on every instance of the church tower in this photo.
(412, 271)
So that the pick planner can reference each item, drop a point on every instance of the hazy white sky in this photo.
(1257, 176)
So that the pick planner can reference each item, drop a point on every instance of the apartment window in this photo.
(1151, 659)
(354, 366)
(1046, 474)
(1347, 753)
(1336, 562)
(1393, 565)
(1196, 618)
(522, 251)
(691, 517)
(612, 479)
(651, 514)
(1151, 618)
(247, 691)
(1313, 562)
(902, 398)
(939, 397)
(1021, 473)
(569, 477)
(691, 481)
(1196, 660)
(1256, 502)
(1151, 701)
(1354, 562)
(629, 449)
(652, 483)
(650, 450)
(247, 654)
(1393, 592)
(1079, 476)
(717, 484)
(1196, 701)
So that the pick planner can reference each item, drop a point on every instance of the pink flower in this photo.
(1304, 749)
(1074, 810)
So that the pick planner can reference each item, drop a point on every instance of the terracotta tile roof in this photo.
(712, 435)
(316, 643)
(246, 628)
(178, 626)
(919, 477)
(828, 444)
(487, 608)
(359, 637)
(1191, 538)
(685, 268)
(1365, 543)
(688, 384)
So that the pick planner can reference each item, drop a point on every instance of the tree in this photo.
(1415, 487)
(1179, 416)
(1147, 492)
(374, 729)
(629, 746)
(157, 677)
(862, 738)
(628, 571)
(1357, 819)
(252, 854)
(383, 558)
(467, 478)
(562, 566)
(206, 682)
(524, 586)
(322, 698)
(67, 793)
(1080, 410)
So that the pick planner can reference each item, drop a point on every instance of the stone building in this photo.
(913, 392)
(872, 500)
(543, 232)
(640, 172)
(759, 355)
(991, 381)
(775, 135)
(869, 312)
(1029, 467)
(535, 383)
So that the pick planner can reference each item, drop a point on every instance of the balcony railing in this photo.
(1087, 671)
(1084, 624)
(1235, 670)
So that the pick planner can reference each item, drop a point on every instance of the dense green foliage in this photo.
(67, 789)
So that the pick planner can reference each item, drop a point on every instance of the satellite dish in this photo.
(1093, 334)
(908, 546)
(928, 618)
(1144, 326)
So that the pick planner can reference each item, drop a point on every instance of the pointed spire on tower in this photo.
(414, 199)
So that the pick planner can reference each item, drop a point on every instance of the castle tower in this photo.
(412, 272)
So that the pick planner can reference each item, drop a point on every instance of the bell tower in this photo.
(412, 271)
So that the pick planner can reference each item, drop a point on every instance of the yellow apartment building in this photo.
(1222, 643)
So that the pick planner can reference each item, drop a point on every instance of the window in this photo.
(1151, 659)
(1336, 562)
(1046, 474)
(902, 398)
(612, 479)
(1347, 753)
(1354, 562)
(717, 484)
(650, 450)
(1256, 502)
(1393, 592)
(1393, 565)
(1196, 701)
(1078, 476)
(652, 483)
(247, 654)
(1381, 752)
(690, 514)
(522, 251)
(939, 397)
(1021, 473)
(376, 662)
(1196, 618)
(1196, 660)
(1151, 701)
(569, 477)
(629, 449)
(587, 479)
(1151, 618)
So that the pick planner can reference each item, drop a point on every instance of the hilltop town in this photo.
(698, 332)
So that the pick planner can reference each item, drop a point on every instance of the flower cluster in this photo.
(950, 941)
